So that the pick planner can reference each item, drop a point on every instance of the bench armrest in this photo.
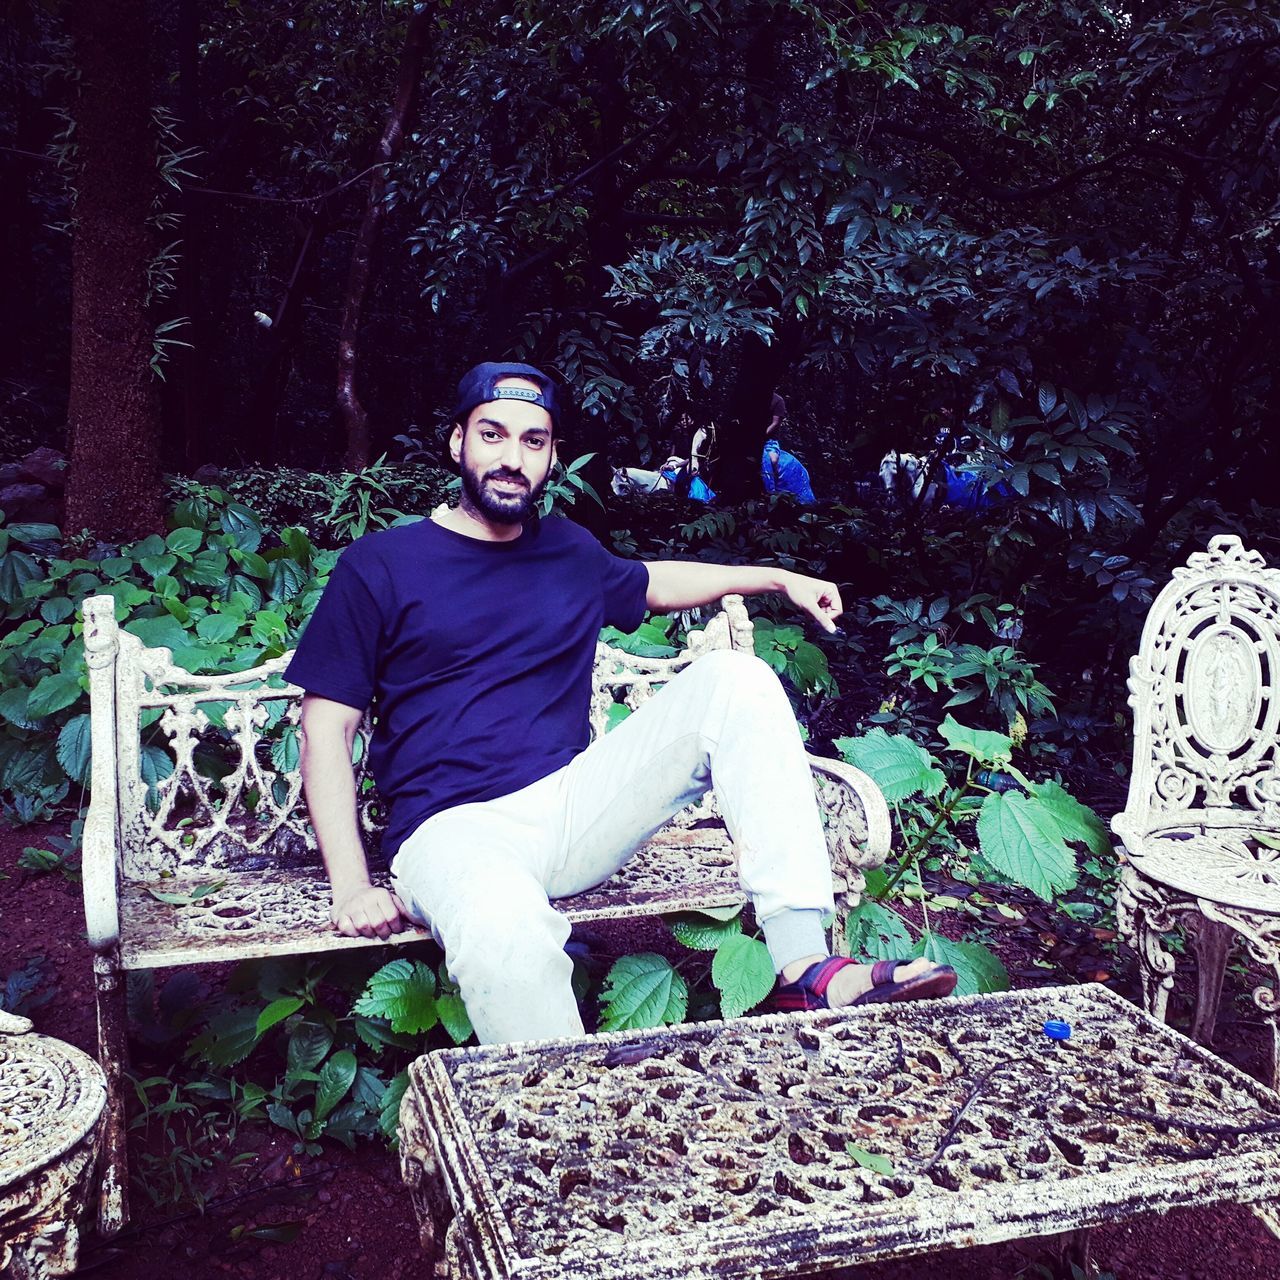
(859, 834)
(99, 872)
(100, 856)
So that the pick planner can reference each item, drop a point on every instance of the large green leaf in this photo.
(977, 969)
(642, 991)
(389, 1108)
(287, 749)
(368, 1088)
(75, 750)
(287, 579)
(243, 525)
(163, 632)
(184, 540)
(405, 992)
(336, 1077)
(33, 531)
(1021, 838)
(898, 766)
(742, 971)
(229, 1038)
(877, 931)
(277, 1011)
(308, 1043)
(1075, 820)
(54, 693)
(646, 641)
(701, 933)
(16, 570)
(981, 744)
(453, 1013)
(13, 707)
(218, 627)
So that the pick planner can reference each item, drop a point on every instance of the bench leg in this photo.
(1213, 946)
(1269, 1215)
(421, 1174)
(113, 1056)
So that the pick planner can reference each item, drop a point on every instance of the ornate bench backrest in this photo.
(205, 767)
(1205, 689)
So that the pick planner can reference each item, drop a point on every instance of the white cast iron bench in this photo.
(240, 847)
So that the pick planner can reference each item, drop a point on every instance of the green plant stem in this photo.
(910, 856)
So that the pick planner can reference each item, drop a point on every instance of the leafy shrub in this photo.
(211, 591)
(647, 990)
(1024, 835)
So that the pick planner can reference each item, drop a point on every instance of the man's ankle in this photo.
(794, 971)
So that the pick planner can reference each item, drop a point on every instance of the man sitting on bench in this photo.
(475, 633)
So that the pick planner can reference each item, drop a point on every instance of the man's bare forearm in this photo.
(683, 584)
(330, 784)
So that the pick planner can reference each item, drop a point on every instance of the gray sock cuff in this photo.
(792, 935)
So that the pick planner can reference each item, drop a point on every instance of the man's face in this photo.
(505, 453)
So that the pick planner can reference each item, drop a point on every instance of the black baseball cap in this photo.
(479, 385)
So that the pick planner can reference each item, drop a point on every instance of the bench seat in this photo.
(248, 915)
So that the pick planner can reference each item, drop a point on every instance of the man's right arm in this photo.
(328, 732)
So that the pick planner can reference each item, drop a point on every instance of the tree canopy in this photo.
(888, 213)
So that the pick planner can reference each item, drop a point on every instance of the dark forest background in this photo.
(239, 233)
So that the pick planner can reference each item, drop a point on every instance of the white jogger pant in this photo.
(481, 875)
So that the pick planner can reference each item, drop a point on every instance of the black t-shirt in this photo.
(476, 655)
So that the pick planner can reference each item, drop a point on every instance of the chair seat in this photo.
(1225, 864)
(244, 916)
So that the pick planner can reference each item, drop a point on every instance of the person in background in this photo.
(698, 444)
(783, 472)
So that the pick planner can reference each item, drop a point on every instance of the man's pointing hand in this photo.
(820, 600)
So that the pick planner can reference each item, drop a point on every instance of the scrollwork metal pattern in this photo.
(1203, 810)
(51, 1101)
(585, 1157)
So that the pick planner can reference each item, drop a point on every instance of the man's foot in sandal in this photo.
(835, 982)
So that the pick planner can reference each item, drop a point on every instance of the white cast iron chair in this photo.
(1201, 826)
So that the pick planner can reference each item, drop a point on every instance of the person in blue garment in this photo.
(783, 472)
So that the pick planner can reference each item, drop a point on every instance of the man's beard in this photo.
(501, 508)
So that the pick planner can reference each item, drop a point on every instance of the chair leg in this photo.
(1212, 941)
(113, 1055)
(1142, 916)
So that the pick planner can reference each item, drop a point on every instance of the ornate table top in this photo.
(51, 1095)
(765, 1146)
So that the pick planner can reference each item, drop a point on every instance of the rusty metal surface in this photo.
(722, 1149)
(283, 912)
(51, 1102)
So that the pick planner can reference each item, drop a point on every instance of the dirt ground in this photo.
(356, 1220)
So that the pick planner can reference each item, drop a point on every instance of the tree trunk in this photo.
(355, 419)
(113, 487)
(191, 364)
(762, 363)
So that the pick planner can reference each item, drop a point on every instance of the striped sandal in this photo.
(809, 990)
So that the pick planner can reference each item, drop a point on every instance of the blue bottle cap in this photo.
(1057, 1030)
